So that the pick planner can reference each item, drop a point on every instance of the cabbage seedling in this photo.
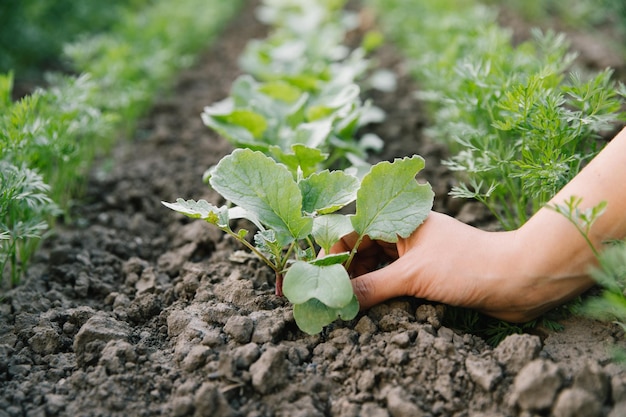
(296, 215)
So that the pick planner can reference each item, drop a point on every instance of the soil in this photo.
(132, 310)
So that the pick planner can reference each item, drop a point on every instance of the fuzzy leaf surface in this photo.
(330, 284)
(328, 229)
(390, 202)
(265, 188)
(200, 209)
(303, 157)
(313, 315)
(326, 191)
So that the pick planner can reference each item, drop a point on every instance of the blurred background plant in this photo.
(520, 120)
(33, 32)
(77, 77)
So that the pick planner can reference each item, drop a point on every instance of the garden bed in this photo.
(131, 309)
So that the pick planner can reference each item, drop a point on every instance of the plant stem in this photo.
(258, 253)
(312, 246)
(279, 284)
(585, 235)
(353, 252)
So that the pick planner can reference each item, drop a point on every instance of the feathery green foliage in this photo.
(520, 121)
(51, 136)
(24, 210)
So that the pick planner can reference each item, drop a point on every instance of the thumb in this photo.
(381, 285)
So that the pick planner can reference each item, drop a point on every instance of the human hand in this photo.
(516, 275)
(415, 266)
(371, 254)
(450, 262)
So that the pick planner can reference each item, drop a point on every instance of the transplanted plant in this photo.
(297, 215)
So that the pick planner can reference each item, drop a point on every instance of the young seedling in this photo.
(24, 210)
(273, 116)
(296, 216)
(610, 274)
(581, 219)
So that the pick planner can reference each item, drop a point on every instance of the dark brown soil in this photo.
(133, 310)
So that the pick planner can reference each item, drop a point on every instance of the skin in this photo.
(515, 275)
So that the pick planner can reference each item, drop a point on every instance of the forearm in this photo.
(557, 258)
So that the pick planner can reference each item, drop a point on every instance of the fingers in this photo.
(345, 244)
(380, 285)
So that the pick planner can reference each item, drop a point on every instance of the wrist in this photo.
(549, 264)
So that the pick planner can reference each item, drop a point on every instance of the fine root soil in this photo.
(132, 310)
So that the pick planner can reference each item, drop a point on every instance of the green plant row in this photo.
(293, 117)
(586, 15)
(520, 121)
(49, 138)
(300, 87)
(32, 32)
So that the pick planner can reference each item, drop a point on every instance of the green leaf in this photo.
(390, 202)
(265, 241)
(200, 209)
(313, 134)
(281, 90)
(332, 259)
(304, 81)
(313, 315)
(329, 284)
(326, 191)
(219, 216)
(237, 127)
(307, 159)
(265, 188)
(254, 122)
(237, 135)
(372, 40)
(328, 229)
(331, 100)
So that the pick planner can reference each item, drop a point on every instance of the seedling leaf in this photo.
(303, 157)
(331, 101)
(252, 121)
(313, 315)
(326, 191)
(281, 90)
(390, 202)
(265, 188)
(219, 216)
(313, 134)
(200, 209)
(327, 230)
(330, 284)
(239, 126)
(332, 259)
